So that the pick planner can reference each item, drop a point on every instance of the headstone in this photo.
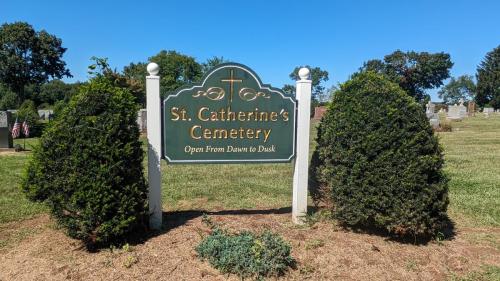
(462, 110)
(429, 109)
(454, 113)
(319, 112)
(433, 117)
(471, 108)
(488, 110)
(45, 114)
(457, 112)
(5, 135)
(142, 120)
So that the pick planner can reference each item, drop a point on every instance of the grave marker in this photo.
(5, 134)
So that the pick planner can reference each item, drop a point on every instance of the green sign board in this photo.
(231, 117)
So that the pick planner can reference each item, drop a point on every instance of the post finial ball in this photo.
(153, 68)
(304, 73)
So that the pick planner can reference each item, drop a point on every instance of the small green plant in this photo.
(444, 127)
(314, 244)
(246, 254)
(411, 265)
(130, 260)
(127, 248)
(439, 238)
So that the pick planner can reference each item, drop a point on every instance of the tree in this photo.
(488, 80)
(176, 70)
(102, 68)
(136, 74)
(461, 88)
(56, 90)
(211, 63)
(27, 112)
(29, 57)
(327, 95)
(414, 72)
(377, 161)
(8, 99)
(318, 76)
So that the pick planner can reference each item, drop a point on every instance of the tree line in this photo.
(32, 66)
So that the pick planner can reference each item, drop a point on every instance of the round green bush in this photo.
(377, 162)
(88, 166)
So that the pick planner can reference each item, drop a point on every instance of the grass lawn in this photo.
(13, 205)
(472, 154)
(472, 162)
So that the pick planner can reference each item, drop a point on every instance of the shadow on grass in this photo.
(172, 220)
(175, 219)
(446, 232)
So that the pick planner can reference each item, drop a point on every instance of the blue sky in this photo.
(272, 37)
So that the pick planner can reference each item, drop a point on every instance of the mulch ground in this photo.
(36, 250)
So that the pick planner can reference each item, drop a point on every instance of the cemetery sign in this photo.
(230, 117)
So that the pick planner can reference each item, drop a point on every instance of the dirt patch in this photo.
(11, 151)
(323, 252)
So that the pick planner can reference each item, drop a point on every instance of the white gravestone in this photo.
(455, 113)
(462, 110)
(142, 120)
(433, 117)
(488, 110)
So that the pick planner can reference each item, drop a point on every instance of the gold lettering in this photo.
(285, 116)
(233, 133)
(274, 116)
(174, 113)
(257, 133)
(207, 133)
(263, 116)
(191, 132)
(250, 133)
(266, 134)
(241, 116)
(249, 115)
(213, 116)
(200, 112)
(220, 134)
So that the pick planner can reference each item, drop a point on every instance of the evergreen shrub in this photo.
(88, 166)
(377, 162)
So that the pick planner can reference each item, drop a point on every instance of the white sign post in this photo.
(154, 130)
(153, 107)
(301, 172)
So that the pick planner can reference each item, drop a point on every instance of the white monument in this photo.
(430, 113)
(457, 112)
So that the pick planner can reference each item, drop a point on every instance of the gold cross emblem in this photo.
(231, 80)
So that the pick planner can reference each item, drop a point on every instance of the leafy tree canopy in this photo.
(29, 57)
(101, 68)
(462, 87)
(488, 80)
(414, 72)
(211, 63)
(318, 76)
(176, 70)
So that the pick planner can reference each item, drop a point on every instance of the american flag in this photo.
(16, 130)
(26, 129)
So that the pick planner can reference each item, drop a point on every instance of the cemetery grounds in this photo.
(258, 197)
